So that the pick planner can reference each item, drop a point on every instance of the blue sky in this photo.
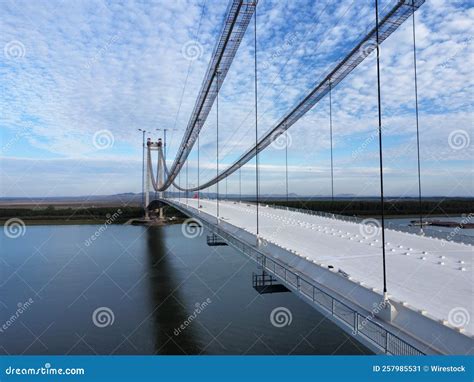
(80, 77)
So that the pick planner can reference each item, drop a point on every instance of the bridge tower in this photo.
(147, 182)
(160, 175)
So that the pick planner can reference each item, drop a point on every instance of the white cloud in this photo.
(90, 66)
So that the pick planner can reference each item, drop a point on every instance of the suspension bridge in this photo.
(396, 292)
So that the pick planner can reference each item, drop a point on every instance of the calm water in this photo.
(149, 280)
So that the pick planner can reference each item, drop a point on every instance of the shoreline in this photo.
(177, 220)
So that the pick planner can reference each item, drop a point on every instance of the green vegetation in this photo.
(69, 215)
(393, 207)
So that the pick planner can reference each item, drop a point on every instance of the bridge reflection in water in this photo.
(151, 279)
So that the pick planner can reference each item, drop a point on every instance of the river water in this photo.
(138, 290)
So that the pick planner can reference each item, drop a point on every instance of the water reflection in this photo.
(165, 296)
(151, 279)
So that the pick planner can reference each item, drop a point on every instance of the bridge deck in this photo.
(415, 274)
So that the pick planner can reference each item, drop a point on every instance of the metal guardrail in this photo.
(385, 340)
(413, 230)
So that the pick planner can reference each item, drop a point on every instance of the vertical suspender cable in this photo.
(217, 144)
(256, 112)
(143, 171)
(382, 210)
(187, 185)
(179, 184)
(330, 138)
(198, 191)
(286, 166)
(240, 184)
(417, 124)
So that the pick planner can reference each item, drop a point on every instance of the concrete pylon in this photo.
(160, 175)
(147, 183)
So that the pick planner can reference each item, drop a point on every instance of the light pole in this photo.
(143, 167)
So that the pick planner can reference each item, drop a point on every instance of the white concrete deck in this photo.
(428, 274)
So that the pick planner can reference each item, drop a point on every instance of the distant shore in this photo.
(116, 213)
(85, 215)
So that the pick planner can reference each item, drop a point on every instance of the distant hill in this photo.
(132, 199)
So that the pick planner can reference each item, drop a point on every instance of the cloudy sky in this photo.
(78, 78)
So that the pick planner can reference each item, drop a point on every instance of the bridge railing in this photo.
(414, 230)
(384, 339)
